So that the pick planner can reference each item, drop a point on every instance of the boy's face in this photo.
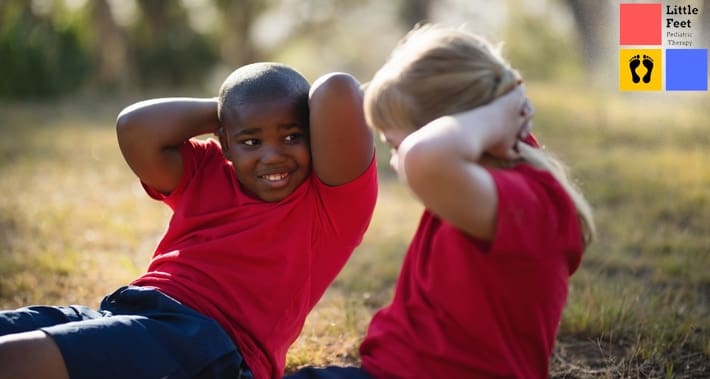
(268, 145)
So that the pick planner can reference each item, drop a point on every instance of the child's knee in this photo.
(30, 355)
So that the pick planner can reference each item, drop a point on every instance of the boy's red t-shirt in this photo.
(255, 267)
(464, 308)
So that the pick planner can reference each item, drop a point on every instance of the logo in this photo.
(640, 24)
(687, 69)
(641, 70)
(659, 44)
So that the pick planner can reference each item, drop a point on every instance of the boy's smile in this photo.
(267, 143)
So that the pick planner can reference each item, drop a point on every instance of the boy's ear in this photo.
(222, 136)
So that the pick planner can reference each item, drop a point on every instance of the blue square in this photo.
(686, 69)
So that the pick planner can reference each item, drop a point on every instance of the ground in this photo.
(75, 224)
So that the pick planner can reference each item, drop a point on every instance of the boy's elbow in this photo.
(335, 84)
(122, 123)
(125, 124)
(342, 79)
(131, 115)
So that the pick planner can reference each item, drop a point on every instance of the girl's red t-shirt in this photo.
(464, 308)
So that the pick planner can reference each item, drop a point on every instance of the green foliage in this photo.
(46, 56)
(37, 57)
(533, 46)
(172, 55)
(177, 59)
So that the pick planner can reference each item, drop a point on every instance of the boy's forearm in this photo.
(150, 132)
(169, 121)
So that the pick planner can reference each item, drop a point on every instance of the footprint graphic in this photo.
(648, 63)
(634, 62)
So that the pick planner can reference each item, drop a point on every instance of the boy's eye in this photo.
(293, 137)
(250, 142)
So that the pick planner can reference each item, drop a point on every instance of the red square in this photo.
(640, 24)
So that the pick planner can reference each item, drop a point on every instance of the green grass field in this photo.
(75, 224)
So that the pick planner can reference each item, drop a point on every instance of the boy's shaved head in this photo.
(259, 82)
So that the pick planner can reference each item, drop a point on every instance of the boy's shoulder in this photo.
(206, 143)
(202, 149)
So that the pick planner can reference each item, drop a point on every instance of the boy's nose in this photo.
(272, 154)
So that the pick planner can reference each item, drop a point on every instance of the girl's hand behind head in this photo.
(510, 122)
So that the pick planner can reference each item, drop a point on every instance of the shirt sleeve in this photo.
(192, 151)
(346, 209)
(535, 215)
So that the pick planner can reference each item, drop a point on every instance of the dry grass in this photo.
(74, 225)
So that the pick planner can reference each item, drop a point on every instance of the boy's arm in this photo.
(341, 143)
(440, 162)
(150, 133)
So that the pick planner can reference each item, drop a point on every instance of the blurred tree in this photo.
(39, 57)
(412, 12)
(167, 51)
(538, 48)
(114, 64)
(313, 35)
(237, 44)
(590, 18)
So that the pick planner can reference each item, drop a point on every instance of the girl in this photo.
(485, 278)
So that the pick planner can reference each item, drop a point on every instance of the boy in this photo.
(262, 223)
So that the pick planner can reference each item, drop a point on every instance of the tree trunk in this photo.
(237, 46)
(155, 16)
(114, 68)
(412, 12)
(591, 21)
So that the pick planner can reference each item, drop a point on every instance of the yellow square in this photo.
(640, 70)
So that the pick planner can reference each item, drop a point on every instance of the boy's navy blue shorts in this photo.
(137, 332)
(331, 372)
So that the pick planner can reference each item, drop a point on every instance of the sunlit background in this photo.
(52, 48)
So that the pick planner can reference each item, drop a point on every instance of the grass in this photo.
(75, 224)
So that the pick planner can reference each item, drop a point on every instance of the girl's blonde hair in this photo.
(435, 71)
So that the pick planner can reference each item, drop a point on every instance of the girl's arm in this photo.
(150, 133)
(440, 161)
(341, 143)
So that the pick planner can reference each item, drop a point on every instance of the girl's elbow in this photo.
(418, 162)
